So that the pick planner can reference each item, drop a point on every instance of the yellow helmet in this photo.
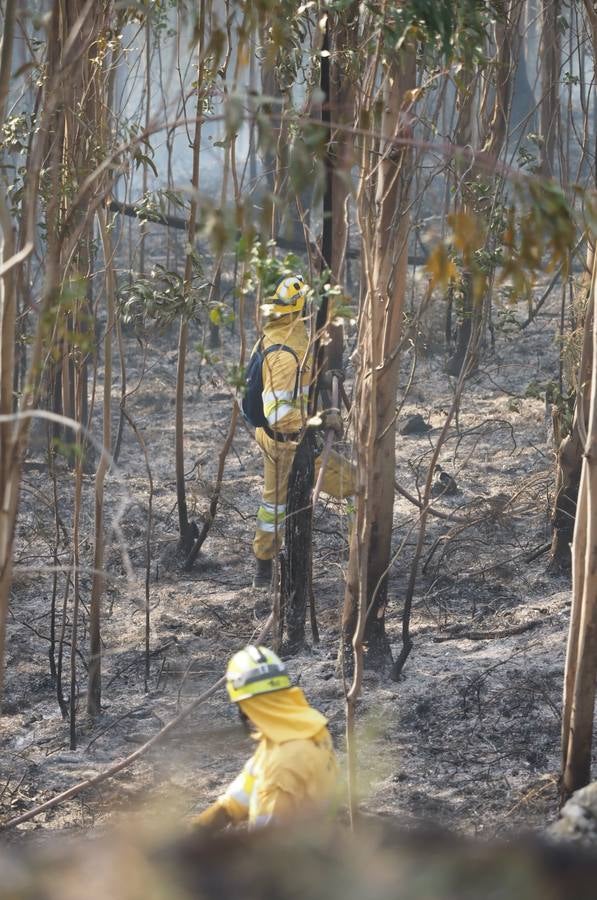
(255, 670)
(289, 295)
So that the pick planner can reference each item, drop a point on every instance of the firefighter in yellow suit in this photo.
(285, 407)
(293, 771)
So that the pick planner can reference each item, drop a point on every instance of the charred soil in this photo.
(469, 735)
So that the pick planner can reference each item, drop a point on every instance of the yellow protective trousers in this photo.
(339, 481)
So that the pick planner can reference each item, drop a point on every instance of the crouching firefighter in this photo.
(278, 378)
(293, 772)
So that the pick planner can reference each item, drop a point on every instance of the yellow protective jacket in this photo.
(293, 771)
(283, 411)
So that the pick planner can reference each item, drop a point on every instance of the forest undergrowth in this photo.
(469, 735)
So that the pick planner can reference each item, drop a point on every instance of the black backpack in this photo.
(252, 403)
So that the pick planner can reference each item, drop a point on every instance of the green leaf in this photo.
(143, 159)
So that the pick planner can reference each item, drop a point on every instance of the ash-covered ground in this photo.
(468, 737)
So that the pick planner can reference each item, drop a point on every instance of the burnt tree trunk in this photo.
(297, 570)
(297, 581)
(188, 530)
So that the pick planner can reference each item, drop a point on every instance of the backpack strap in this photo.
(288, 349)
(279, 435)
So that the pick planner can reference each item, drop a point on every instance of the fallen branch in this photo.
(488, 635)
(430, 509)
(539, 551)
(181, 224)
(535, 310)
(128, 760)
(113, 724)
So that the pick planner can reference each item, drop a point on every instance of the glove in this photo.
(212, 819)
(332, 421)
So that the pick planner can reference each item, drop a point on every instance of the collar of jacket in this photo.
(283, 715)
(287, 330)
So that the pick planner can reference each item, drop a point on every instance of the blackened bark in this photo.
(296, 584)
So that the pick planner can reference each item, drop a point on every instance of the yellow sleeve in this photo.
(237, 796)
(274, 805)
(283, 411)
(232, 807)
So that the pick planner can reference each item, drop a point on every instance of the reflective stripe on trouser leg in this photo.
(277, 462)
(270, 516)
(339, 480)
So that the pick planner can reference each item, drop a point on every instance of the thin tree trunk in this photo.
(186, 529)
(380, 327)
(297, 580)
(506, 63)
(94, 688)
(143, 227)
(59, 688)
(77, 578)
(550, 80)
(342, 98)
(12, 442)
(148, 531)
(296, 586)
(569, 456)
(64, 78)
(7, 345)
(581, 660)
(464, 137)
(338, 109)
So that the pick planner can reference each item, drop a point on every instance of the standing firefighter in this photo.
(285, 373)
(293, 772)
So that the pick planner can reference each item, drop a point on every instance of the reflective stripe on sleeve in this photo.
(241, 788)
(279, 412)
(278, 404)
(270, 398)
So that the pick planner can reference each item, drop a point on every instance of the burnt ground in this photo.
(469, 736)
